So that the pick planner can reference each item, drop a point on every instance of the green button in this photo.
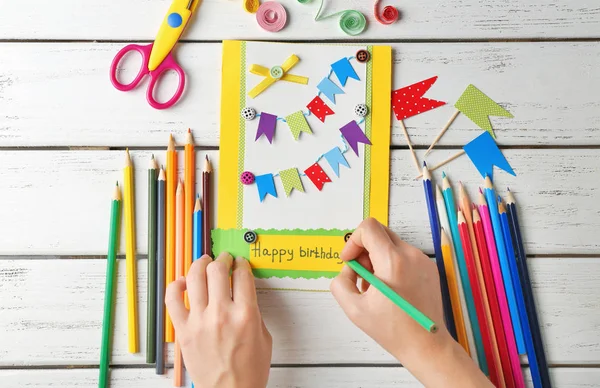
(276, 72)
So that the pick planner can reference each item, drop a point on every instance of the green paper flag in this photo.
(291, 180)
(297, 123)
(477, 106)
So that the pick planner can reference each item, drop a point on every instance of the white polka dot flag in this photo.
(318, 177)
(409, 101)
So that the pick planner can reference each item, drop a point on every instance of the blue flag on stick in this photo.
(485, 154)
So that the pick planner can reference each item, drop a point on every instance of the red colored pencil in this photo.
(484, 259)
(477, 297)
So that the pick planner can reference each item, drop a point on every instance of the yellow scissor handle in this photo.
(170, 31)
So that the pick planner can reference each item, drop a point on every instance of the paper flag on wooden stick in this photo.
(265, 185)
(329, 89)
(297, 123)
(485, 154)
(335, 158)
(344, 70)
(477, 106)
(354, 135)
(266, 126)
(409, 101)
(318, 107)
(291, 180)
(317, 176)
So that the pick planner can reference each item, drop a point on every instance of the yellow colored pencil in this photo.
(179, 268)
(170, 245)
(131, 277)
(454, 294)
(189, 189)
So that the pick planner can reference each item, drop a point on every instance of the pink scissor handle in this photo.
(168, 64)
(145, 52)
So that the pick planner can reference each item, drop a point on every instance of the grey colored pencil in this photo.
(151, 307)
(160, 272)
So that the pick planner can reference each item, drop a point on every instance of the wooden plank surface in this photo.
(354, 377)
(217, 19)
(66, 102)
(52, 312)
(57, 202)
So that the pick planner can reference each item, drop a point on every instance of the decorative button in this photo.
(363, 56)
(250, 237)
(347, 237)
(247, 178)
(174, 20)
(276, 72)
(248, 113)
(361, 110)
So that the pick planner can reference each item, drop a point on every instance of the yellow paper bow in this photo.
(270, 80)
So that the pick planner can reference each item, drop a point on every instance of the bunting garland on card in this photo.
(291, 181)
(266, 185)
(316, 174)
(354, 135)
(297, 123)
(335, 158)
(318, 107)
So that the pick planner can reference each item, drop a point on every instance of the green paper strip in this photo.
(230, 240)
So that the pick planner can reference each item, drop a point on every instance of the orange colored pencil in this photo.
(179, 268)
(189, 189)
(466, 207)
(170, 245)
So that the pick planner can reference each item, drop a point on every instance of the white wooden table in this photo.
(63, 129)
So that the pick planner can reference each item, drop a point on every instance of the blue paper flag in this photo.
(265, 185)
(343, 70)
(329, 89)
(335, 158)
(485, 154)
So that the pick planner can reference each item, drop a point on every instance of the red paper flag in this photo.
(409, 101)
(319, 108)
(316, 174)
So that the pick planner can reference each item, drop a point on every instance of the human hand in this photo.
(223, 338)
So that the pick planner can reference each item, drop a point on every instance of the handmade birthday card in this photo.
(304, 157)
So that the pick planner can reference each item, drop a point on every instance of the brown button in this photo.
(347, 237)
(363, 56)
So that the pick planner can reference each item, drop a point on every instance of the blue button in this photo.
(174, 20)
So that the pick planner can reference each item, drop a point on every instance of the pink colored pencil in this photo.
(501, 293)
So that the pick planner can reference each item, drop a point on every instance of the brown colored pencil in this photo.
(207, 207)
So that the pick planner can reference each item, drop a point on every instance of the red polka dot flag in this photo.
(409, 101)
(319, 108)
(316, 174)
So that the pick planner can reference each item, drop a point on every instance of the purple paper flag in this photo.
(354, 135)
(266, 126)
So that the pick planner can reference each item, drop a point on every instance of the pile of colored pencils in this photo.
(489, 307)
(178, 233)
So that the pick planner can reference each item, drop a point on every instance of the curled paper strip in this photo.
(352, 22)
(251, 6)
(390, 13)
(271, 16)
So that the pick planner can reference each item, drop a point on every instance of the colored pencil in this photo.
(170, 228)
(207, 207)
(408, 308)
(454, 293)
(512, 262)
(109, 293)
(466, 338)
(527, 291)
(464, 273)
(490, 196)
(505, 359)
(466, 207)
(509, 336)
(437, 247)
(197, 229)
(160, 272)
(463, 229)
(179, 270)
(190, 191)
(151, 297)
(131, 277)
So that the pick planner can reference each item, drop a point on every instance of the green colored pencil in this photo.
(151, 311)
(399, 301)
(111, 258)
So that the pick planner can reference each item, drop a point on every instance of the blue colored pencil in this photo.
(521, 257)
(512, 263)
(197, 231)
(490, 197)
(464, 273)
(437, 247)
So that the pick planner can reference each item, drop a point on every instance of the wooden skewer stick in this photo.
(414, 155)
(460, 153)
(439, 136)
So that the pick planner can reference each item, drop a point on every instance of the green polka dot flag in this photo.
(477, 106)
(297, 123)
(291, 180)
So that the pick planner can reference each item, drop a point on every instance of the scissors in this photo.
(157, 57)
